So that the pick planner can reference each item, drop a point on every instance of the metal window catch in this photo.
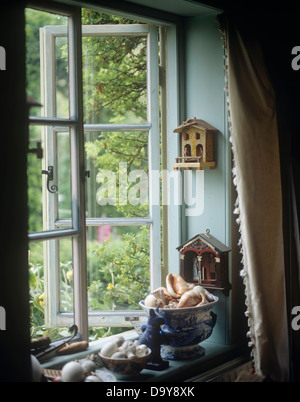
(53, 189)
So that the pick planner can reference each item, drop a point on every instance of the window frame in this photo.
(82, 317)
(75, 125)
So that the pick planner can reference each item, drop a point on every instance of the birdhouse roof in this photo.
(209, 240)
(201, 124)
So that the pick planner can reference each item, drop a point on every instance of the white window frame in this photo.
(74, 124)
(81, 316)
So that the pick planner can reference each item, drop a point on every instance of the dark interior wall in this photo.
(14, 296)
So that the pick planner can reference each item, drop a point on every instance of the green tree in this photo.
(114, 77)
(115, 91)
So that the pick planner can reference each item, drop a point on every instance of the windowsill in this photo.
(215, 355)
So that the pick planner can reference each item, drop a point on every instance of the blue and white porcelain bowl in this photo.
(184, 329)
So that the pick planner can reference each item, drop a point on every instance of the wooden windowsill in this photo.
(215, 355)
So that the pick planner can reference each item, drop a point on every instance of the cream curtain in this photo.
(253, 126)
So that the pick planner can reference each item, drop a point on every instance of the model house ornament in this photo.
(204, 260)
(197, 145)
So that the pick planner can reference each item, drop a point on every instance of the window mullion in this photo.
(154, 156)
(51, 121)
(52, 234)
(117, 127)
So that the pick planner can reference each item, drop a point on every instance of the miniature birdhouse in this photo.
(204, 260)
(197, 145)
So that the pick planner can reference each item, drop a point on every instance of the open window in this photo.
(94, 188)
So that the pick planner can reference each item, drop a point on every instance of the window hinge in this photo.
(162, 76)
(38, 150)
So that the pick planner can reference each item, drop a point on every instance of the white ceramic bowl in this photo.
(125, 368)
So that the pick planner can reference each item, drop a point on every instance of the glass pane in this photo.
(118, 267)
(118, 183)
(64, 175)
(47, 63)
(49, 179)
(115, 79)
(61, 78)
(51, 287)
(66, 276)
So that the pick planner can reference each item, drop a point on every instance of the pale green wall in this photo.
(201, 95)
(205, 99)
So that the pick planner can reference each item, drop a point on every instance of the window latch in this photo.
(53, 189)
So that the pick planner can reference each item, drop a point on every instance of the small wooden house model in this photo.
(204, 259)
(197, 145)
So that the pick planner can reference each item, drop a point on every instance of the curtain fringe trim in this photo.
(244, 271)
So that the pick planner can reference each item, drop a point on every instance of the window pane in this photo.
(61, 78)
(65, 275)
(118, 267)
(64, 175)
(49, 179)
(47, 62)
(51, 287)
(115, 79)
(118, 183)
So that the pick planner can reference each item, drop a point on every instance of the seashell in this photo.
(142, 350)
(209, 296)
(119, 340)
(150, 301)
(192, 297)
(92, 378)
(167, 297)
(128, 344)
(172, 304)
(88, 366)
(72, 372)
(119, 355)
(128, 348)
(160, 296)
(108, 349)
(160, 303)
(203, 301)
(177, 286)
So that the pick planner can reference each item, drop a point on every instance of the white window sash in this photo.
(54, 317)
(74, 125)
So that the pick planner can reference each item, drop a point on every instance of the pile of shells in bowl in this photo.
(118, 348)
(178, 294)
(125, 359)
